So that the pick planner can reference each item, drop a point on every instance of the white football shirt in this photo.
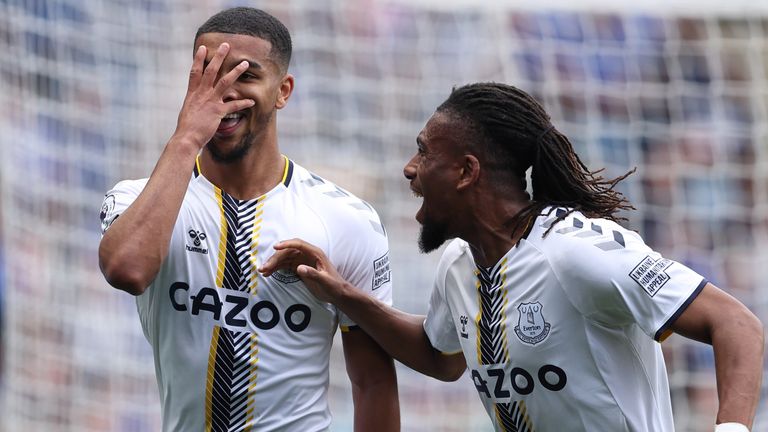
(234, 350)
(559, 334)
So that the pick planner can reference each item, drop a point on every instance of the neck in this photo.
(493, 231)
(255, 174)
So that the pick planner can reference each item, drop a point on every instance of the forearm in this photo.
(377, 409)
(738, 348)
(133, 248)
(400, 334)
(377, 406)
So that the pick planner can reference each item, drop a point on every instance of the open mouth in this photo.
(420, 212)
(229, 123)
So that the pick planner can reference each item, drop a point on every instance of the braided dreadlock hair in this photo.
(513, 132)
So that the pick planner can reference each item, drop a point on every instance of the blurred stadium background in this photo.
(89, 93)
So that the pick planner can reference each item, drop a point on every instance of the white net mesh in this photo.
(90, 92)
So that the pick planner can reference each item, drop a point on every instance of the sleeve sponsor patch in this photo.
(651, 274)
(381, 272)
(106, 216)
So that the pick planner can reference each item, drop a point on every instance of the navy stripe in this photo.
(195, 171)
(289, 174)
(680, 310)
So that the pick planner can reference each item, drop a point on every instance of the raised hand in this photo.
(311, 265)
(204, 104)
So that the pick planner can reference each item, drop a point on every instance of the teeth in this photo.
(232, 116)
(416, 194)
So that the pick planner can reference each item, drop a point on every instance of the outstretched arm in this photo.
(134, 247)
(738, 339)
(400, 334)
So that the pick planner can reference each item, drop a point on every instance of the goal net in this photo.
(90, 91)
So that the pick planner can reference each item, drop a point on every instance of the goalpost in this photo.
(90, 91)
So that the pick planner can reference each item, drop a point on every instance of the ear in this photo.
(469, 173)
(286, 88)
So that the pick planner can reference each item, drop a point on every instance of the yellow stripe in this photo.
(197, 164)
(503, 309)
(209, 381)
(222, 240)
(254, 282)
(498, 416)
(285, 170)
(526, 419)
(478, 317)
(219, 282)
(254, 368)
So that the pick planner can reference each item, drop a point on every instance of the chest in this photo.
(216, 249)
(214, 225)
(515, 314)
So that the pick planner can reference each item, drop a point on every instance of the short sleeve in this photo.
(439, 325)
(117, 200)
(360, 250)
(615, 280)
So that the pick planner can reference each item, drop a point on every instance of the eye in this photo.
(247, 76)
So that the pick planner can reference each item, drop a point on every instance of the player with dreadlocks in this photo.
(515, 133)
(550, 303)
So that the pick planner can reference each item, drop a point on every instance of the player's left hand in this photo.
(311, 265)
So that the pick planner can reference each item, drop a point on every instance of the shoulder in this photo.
(129, 187)
(456, 250)
(456, 257)
(338, 208)
(117, 199)
(577, 237)
(591, 256)
(122, 195)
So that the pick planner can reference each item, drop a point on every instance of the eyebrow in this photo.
(252, 64)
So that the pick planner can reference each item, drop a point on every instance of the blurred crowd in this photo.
(88, 95)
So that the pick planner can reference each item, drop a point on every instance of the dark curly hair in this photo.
(513, 132)
(253, 22)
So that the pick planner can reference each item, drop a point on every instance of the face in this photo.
(264, 82)
(434, 175)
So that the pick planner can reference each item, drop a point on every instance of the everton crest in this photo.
(531, 327)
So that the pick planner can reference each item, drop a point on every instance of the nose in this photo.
(409, 171)
(231, 93)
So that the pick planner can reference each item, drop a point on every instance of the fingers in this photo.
(212, 70)
(324, 285)
(196, 72)
(318, 278)
(299, 244)
(307, 272)
(237, 105)
(292, 254)
(223, 84)
(280, 259)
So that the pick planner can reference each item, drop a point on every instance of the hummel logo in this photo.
(198, 237)
(464, 320)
